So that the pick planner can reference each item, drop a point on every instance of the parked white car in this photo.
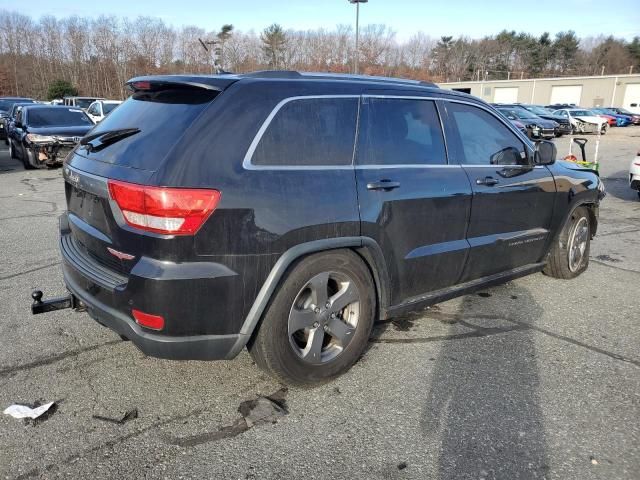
(583, 121)
(634, 174)
(101, 108)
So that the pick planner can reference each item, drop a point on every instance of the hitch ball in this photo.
(37, 296)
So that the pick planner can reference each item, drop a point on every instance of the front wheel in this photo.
(603, 129)
(569, 256)
(319, 321)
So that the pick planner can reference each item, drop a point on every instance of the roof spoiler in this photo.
(161, 82)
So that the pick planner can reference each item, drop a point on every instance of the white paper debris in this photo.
(22, 411)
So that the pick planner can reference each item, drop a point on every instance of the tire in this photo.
(12, 151)
(603, 129)
(25, 160)
(302, 343)
(575, 237)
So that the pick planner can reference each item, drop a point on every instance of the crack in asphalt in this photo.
(39, 471)
(35, 215)
(42, 267)
(55, 358)
(621, 232)
(479, 332)
(599, 262)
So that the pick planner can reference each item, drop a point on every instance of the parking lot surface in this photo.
(538, 378)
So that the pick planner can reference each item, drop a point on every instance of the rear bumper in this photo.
(110, 296)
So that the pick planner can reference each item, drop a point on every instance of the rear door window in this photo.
(396, 131)
(314, 131)
(161, 117)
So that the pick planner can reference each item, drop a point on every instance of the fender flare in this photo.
(378, 271)
(584, 202)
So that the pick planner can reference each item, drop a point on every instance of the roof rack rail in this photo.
(293, 74)
(273, 74)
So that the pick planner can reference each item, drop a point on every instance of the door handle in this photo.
(488, 181)
(385, 185)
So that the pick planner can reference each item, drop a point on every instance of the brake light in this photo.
(167, 210)
(142, 85)
(154, 322)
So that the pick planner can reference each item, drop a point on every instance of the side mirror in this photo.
(546, 153)
(506, 156)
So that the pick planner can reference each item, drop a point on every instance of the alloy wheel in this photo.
(578, 244)
(324, 316)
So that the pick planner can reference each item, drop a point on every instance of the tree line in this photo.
(98, 55)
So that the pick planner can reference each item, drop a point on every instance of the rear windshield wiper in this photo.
(100, 140)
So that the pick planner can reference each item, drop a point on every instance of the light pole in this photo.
(357, 2)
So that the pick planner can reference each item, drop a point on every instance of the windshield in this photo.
(539, 110)
(57, 117)
(581, 113)
(524, 113)
(508, 113)
(624, 111)
(108, 107)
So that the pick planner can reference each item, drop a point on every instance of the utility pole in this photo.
(357, 2)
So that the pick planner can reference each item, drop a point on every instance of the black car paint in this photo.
(422, 241)
(55, 151)
(6, 106)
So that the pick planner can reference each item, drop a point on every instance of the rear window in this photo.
(162, 118)
(310, 132)
(56, 117)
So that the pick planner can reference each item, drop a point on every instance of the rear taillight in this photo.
(154, 322)
(172, 211)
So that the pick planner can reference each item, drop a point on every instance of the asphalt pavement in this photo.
(535, 379)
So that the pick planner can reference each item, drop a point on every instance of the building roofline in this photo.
(626, 75)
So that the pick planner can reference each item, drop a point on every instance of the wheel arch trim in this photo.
(372, 258)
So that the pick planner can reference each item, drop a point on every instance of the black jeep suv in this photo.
(286, 212)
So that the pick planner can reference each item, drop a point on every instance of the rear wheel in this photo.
(319, 321)
(569, 256)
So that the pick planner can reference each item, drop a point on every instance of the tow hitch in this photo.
(59, 303)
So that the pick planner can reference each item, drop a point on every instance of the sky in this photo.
(472, 18)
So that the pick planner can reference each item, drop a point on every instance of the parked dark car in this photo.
(43, 135)
(564, 126)
(6, 104)
(635, 118)
(286, 212)
(536, 127)
(10, 120)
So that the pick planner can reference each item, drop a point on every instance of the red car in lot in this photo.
(610, 118)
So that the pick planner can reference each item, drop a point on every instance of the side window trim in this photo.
(438, 106)
(451, 127)
(247, 163)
